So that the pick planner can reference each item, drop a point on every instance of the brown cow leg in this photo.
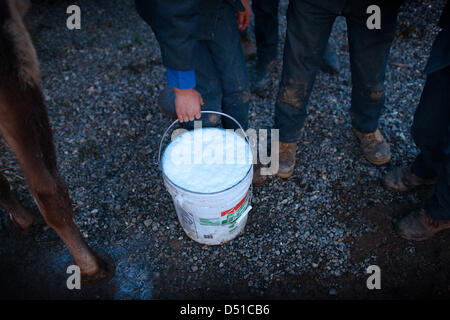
(24, 125)
(20, 216)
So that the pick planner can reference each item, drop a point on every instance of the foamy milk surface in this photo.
(207, 160)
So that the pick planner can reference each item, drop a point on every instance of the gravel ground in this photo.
(311, 236)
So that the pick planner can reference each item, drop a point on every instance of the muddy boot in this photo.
(403, 179)
(419, 225)
(287, 159)
(166, 103)
(375, 148)
(247, 46)
(260, 77)
(258, 178)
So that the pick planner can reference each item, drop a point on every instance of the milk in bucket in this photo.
(208, 173)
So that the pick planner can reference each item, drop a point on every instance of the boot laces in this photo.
(283, 147)
(372, 137)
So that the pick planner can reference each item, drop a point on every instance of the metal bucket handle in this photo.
(206, 111)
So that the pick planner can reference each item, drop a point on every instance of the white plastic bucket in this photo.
(211, 218)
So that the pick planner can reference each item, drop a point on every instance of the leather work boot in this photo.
(258, 178)
(375, 148)
(419, 226)
(248, 46)
(166, 103)
(403, 179)
(287, 159)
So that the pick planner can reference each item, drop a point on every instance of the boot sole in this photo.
(406, 237)
(378, 163)
(397, 189)
(407, 189)
(286, 175)
(413, 239)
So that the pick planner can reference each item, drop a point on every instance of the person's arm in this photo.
(187, 99)
(175, 26)
(244, 16)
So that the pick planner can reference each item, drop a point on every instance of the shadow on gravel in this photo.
(409, 270)
(35, 267)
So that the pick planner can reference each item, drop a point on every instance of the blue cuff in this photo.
(181, 79)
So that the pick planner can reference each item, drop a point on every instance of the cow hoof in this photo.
(106, 269)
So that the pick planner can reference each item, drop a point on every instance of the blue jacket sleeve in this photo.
(181, 79)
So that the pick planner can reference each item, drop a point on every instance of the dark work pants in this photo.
(309, 24)
(266, 29)
(431, 133)
(221, 74)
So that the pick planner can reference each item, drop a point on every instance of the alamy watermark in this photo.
(374, 280)
(74, 280)
(374, 20)
(195, 152)
(73, 22)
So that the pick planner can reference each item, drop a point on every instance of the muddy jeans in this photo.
(431, 133)
(221, 73)
(309, 23)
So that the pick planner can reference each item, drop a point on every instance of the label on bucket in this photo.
(229, 217)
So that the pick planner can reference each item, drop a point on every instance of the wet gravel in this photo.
(306, 236)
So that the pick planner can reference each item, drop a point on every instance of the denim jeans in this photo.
(221, 74)
(431, 133)
(266, 29)
(309, 23)
(266, 32)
